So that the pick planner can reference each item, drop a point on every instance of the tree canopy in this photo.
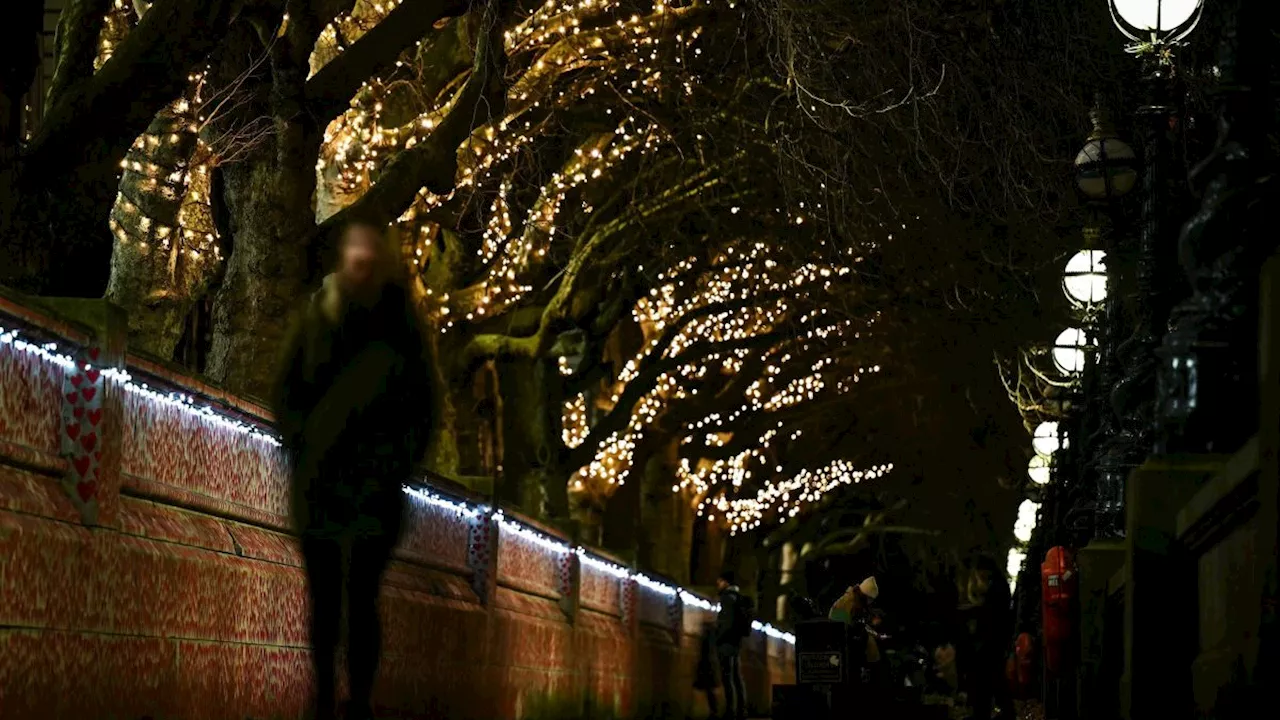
(746, 252)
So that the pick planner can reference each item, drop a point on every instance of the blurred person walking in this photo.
(733, 625)
(991, 634)
(352, 404)
(704, 678)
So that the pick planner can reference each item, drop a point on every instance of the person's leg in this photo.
(1002, 697)
(739, 690)
(980, 698)
(323, 559)
(711, 702)
(369, 559)
(725, 659)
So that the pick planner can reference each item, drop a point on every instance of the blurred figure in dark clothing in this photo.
(733, 625)
(352, 404)
(705, 677)
(991, 628)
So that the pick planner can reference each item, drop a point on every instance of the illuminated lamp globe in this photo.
(1085, 279)
(1069, 351)
(1026, 523)
(1106, 168)
(1045, 440)
(1038, 470)
(1157, 21)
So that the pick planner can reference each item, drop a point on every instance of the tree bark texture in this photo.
(666, 518)
(157, 274)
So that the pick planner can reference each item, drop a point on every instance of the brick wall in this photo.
(148, 571)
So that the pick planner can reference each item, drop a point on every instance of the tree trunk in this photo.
(666, 517)
(533, 477)
(270, 209)
(161, 266)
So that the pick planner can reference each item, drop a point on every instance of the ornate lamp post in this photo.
(1208, 362)
(1106, 170)
(1155, 27)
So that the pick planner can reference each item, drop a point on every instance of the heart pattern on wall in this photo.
(482, 532)
(81, 432)
(564, 574)
(628, 603)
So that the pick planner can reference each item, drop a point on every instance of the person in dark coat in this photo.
(352, 404)
(730, 633)
(704, 678)
(991, 627)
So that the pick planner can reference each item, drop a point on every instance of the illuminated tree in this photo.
(674, 241)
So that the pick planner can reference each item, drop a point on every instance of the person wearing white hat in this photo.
(853, 605)
(855, 600)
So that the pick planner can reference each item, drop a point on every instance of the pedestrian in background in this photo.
(704, 677)
(991, 634)
(733, 625)
(352, 404)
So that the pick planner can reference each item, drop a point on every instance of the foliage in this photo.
(749, 252)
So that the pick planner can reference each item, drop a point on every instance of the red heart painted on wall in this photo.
(81, 464)
(77, 379)
(78, 412)
(97, 455)
(73, 430)
(93, 354)
(88, 441)
(93, 375)
(72, 397)
(86, 490)
(95, 416)
(89, 392)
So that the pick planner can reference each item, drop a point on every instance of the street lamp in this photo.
(1026, 522)
(1156, 22)
(1069, 351)
(1039, 470)
(1155, 27)
(1106, 167)
(1045, 440)
(1085, 278)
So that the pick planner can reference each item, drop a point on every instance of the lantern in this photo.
(1038, 470)
(1085, 279)
(1045, 440)
(1106, 168)
(1069, 351)
(1026, 523)
(1156, 21)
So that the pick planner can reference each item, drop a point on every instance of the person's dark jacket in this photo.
(353, 408)
(727, 632)
(995, 623)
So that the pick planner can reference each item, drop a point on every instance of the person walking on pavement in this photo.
(704, 678)
(352, 405)
(733, 625)
(992, 631)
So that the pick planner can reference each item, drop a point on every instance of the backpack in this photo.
(744, 614)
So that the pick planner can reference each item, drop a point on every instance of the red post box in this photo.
(1058, 585)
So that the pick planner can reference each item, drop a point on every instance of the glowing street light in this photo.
(1069, 351)
(1045, 439)
(1156, 21)
(1085, 279)
(1026, 523)
(1038, 470)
